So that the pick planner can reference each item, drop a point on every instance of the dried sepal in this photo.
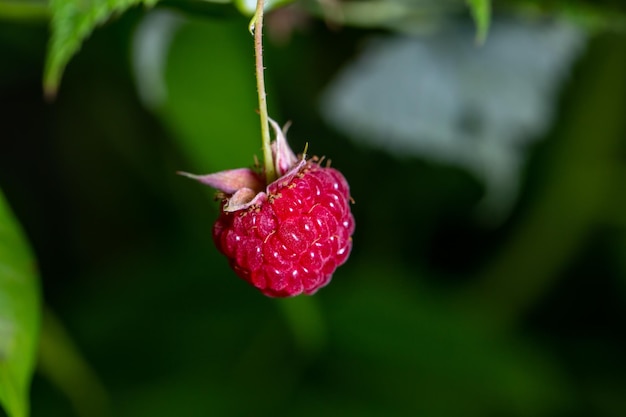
(284, 158)
(230, 181)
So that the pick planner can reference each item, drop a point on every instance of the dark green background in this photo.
(435, 314)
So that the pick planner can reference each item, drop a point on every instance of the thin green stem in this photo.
(257, 25)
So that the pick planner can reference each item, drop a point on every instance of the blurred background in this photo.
(488, 274)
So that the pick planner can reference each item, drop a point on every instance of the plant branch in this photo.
(256, 26)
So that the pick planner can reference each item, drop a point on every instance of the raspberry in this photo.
(289, 237)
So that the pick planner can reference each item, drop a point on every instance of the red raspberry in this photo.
(289, 237)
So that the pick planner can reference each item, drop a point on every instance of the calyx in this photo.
(246, 187)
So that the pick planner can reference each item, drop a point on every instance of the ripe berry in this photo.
(287, 237)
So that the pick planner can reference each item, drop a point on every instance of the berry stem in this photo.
(256, 25)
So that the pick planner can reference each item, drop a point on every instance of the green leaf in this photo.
(72, 22)
(19, 315)
(481, 12)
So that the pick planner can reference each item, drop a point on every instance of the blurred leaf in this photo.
(571, 202)
(61, 362)
(484, 104)
(398, 342)
(205, 91)
(594, 16)
(23, 10)
(214, 9)
(248, 7)
(408, 16)
(72, 22)
(481, 11)
(19, 315)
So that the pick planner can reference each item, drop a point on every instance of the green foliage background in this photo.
(435, 314)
